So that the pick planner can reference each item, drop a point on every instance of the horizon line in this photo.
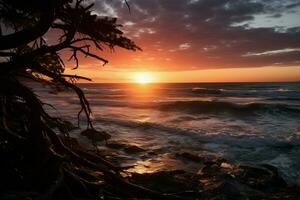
(92, 82)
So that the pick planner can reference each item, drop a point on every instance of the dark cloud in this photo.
(293, 5)
(201, 34)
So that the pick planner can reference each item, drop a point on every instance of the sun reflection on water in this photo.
(161, 163)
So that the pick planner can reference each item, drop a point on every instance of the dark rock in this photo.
(130, 149)
(116, 145)
(133, 149)
(223, 180)
(177, 181)
(210, 170)
(229, 189)
(95, 135)
(68, 140)
(72, 142)
(276, 179)
(265, 178)
(222, 190)
(189, 156)
(288, 193)
(152, 153)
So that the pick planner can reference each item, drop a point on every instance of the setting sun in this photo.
(143, 77)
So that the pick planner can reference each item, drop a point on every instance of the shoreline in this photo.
(216, 179)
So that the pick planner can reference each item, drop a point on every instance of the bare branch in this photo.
(76, 77)
(83, 101)
(87, 53)
(7, 54)
(27, 35)
(128, 6)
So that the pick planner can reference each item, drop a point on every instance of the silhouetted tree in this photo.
(35, 161)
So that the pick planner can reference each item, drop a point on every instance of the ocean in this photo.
(245, 123)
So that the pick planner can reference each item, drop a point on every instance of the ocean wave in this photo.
(206, 91)
(205, 107)
(251, 149)
(103, 91)
(227, 107)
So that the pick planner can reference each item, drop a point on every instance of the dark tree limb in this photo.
(30, 34)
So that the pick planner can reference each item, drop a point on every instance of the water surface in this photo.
(249, 123)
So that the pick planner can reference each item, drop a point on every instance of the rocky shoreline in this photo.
(217, 178)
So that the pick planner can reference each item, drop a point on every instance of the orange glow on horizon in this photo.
(143, 77)
(259, 74)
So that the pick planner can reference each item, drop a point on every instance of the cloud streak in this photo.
(203, 34)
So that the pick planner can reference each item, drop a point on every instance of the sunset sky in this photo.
(203, 41)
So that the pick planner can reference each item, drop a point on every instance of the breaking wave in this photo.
(227, 107)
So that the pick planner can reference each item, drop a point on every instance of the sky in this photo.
(202, 41)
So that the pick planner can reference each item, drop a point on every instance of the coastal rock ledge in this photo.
(220, 180)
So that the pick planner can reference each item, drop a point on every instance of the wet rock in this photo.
(226, 165)
(152, 153)
(222, 190)
(276, 179)
(288, 193)
(190, 156)
(95, 135)
(72, 142)
(132, 149)
(68, 140)
(116, 145)
(264, 178)
(127, 148)
(210, 170)
(177, 181)
(223, 180)
(229, 189)
(214, 167)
